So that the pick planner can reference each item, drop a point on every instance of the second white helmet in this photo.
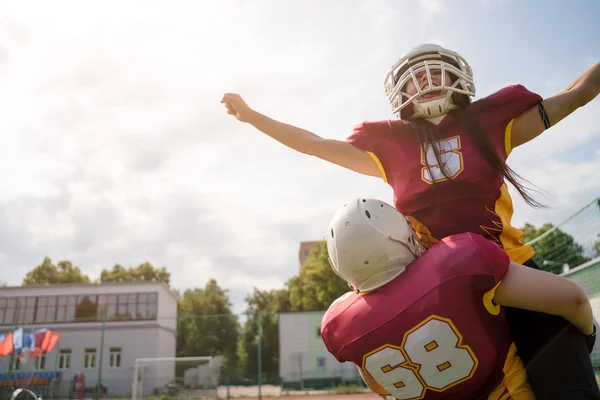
(370, 243)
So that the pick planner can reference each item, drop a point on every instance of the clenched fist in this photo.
(237, 107)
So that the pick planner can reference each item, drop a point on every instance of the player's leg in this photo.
(562, 370)
(531, 331)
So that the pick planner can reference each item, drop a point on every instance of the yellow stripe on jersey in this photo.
(510, 237)
(508, 137)
(488, 301)
(379, 166)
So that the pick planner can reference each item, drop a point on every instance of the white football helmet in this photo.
(428, 57)
(370, 243)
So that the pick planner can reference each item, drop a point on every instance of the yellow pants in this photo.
(514, 386)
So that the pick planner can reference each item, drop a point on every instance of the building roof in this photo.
(86, 285)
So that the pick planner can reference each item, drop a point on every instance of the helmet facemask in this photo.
(430, 59)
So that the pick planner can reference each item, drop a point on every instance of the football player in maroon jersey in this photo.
(430, 325)
(445, 157)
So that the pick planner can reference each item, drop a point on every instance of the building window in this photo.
(17, 310)
(64, 359)
(3, 306)
(25, 310)
(320, 362)
(89, 358)
(146, 308)
(86, 308)
(114, 358)
(45, 309)
(15, 363)
(40, 363)
(78, 308)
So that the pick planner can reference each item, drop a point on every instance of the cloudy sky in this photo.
(115, 148)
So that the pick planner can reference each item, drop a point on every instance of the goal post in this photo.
(17, 392)
(174, 373)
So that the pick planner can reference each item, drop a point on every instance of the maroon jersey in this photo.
(433, 331)
(476, 198)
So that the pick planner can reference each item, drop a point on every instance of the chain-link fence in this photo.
(572, 249)
(572, 243)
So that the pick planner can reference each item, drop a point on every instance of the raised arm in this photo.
(337, 152)
(535, 290)
(583, 90)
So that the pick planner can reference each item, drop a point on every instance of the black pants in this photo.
(554, 353)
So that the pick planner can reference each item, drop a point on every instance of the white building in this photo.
(140, 322)
(303, 358)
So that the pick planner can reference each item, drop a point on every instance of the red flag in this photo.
(35, 353)
(50, 341)
(40, 335)
(7, 345)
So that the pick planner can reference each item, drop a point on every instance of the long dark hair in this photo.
(429, 133)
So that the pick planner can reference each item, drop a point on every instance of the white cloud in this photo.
(114, 146)
(431, 7)
(567, 187)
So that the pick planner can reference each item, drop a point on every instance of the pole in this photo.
(259, 354)
(12, 359)
(301, 362)
(100, 359)
(56, 360)
(134, 390)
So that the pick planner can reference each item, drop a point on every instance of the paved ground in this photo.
(270, 392)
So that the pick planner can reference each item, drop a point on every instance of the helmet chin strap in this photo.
(433, 110)
(436, 120)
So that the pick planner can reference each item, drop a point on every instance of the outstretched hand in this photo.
(237, 107)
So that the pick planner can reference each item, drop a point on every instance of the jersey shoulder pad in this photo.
(368, 134)
(331, 334)
(493, 258)
(512, 101)
(337, 307)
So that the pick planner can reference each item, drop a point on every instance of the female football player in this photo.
(445, 157)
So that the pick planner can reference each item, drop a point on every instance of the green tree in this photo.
(317, 286)
(313, 289)
(597, 249)
(555, 249)
(48, 273)
(206, 325)
(143, 272)
(263, 307)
